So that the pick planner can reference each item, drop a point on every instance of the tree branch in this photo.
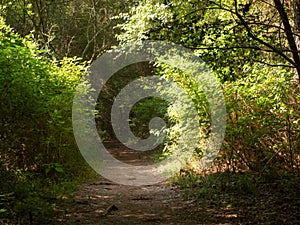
(289, 34)
(273, 65)
(230, 48)
(249, 31)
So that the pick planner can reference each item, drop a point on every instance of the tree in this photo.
(252, 47)
(67, 28)
(260, 31)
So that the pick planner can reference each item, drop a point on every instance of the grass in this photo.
(29, 198)
(243, 198)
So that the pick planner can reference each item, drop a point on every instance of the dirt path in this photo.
(104, 202)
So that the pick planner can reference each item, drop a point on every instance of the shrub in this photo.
(263, 121)
(36, 101)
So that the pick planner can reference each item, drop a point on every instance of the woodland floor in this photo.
(104, 202)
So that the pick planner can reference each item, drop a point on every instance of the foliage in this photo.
(36, 102)
(112, 88)
(250, 48)
(38, 151)
(28, 197)
(143, 111)
(262, 121)
(223, 34)
(65, 28)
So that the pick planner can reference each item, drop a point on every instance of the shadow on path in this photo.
(104, 202)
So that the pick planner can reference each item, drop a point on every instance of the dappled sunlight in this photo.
(149, 112)
(100, 197)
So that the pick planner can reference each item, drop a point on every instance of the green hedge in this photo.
(36, 101)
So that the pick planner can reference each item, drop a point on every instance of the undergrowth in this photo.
(248, 197)
(29, 198)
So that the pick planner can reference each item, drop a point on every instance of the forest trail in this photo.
(105, 202)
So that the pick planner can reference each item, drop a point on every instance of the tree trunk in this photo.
(296, 8)
(289, 33)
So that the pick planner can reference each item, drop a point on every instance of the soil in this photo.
(105, 202)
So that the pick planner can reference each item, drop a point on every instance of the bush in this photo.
(263, 122)
(29, 197)
(36, 101)
(38, 151)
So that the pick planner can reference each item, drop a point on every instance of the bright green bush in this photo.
(36, 101)
(38, 153)
(263, 121)
(261, 97)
